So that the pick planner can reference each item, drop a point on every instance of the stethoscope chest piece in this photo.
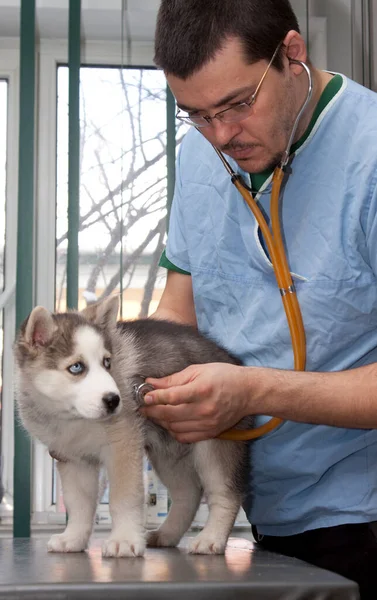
(140, 389)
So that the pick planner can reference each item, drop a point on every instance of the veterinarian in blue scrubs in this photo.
(313, 481)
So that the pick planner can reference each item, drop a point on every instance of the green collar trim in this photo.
(330, 91)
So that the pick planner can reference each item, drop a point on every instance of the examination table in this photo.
(28, 571)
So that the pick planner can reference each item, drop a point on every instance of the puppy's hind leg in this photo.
(185, 493)
(80, 491)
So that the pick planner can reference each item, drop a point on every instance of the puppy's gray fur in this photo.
(71, 415)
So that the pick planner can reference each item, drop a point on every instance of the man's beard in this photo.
(274, 162)
(287, 121)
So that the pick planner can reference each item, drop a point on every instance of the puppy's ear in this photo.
(40, 327)
(103, 313)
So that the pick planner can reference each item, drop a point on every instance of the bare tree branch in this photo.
(139, 117)
(115, 238)
(130, 260)
(107, 184)
(117, 190)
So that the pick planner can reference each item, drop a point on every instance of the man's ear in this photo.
(40, 327)
(103, 313)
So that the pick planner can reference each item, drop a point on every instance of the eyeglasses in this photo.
(234, 114)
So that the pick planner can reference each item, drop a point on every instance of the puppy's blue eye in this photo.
(107, 362)
(77, 368)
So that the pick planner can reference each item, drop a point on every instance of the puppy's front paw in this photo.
(157, 538)
(124, 545)
(203, 544)
(64, 542)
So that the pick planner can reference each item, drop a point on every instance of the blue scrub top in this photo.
(302, 476)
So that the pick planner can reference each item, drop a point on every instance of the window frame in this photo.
(9, 70)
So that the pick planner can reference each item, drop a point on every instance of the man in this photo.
(313, 487)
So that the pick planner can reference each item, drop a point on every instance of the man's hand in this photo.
(200, 402)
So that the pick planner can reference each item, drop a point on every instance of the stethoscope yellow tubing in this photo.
(279, 262)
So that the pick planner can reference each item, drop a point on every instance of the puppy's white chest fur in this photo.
(70, 439)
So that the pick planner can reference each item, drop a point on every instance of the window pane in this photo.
(3, 158)
(3, 155)
(123, 186)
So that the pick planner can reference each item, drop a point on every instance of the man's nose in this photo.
(220, 133)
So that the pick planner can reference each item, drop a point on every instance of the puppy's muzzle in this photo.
(111, 402)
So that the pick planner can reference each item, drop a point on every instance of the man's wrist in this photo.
(252, 391)
(262, 386)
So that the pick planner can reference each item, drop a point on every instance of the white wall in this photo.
(337, 15)
(343, 34)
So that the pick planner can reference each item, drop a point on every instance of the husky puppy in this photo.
(76, 376)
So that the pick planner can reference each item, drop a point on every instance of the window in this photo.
(123, 187)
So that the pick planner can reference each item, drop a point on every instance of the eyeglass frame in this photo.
(219, 115)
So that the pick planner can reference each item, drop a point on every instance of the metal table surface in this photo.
(28, 571)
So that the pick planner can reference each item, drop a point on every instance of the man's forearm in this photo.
(343, 399)
(177, 302)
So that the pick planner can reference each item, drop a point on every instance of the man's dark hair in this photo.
(190, 32)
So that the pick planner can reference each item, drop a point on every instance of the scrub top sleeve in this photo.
(167, 264)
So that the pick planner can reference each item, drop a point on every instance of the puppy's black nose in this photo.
(111, 401)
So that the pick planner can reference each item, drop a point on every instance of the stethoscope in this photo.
(275, 246)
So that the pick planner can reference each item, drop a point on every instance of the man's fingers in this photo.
(173, 380)
(172, 396)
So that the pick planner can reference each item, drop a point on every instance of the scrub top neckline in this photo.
(331, 89)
